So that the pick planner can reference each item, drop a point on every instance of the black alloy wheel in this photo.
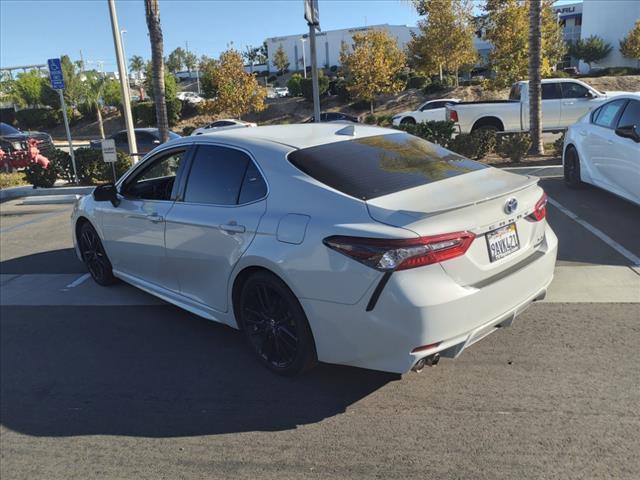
(275, 325)
(94, 256)
(572, 168)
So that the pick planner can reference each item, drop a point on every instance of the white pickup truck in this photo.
(564, 101)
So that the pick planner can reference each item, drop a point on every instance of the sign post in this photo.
(57, 83)
(110, 155)
(312, 17)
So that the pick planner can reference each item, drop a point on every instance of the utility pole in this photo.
(124, 83)
(313, 20)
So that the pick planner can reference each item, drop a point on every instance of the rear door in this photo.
(623, 169)
(551, 106)
(214, 221)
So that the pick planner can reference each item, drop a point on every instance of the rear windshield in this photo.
(371, 167)
(514, 94)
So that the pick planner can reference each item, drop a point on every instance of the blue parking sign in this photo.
(55, 74)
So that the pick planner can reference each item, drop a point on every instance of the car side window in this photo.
(155, 182)
(216, 175)
(432, 105)
(253, 186)
(631, 116)
(574, 90)
(608, 114)
(144, 137)
(120, 137)
(551, 91)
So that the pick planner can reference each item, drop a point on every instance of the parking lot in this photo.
(113, 383)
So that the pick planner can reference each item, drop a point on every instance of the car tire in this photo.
(275, 325)
(94, 256)
(572, 168)
(408, 121)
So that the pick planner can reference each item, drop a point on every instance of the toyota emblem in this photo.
(511, 205)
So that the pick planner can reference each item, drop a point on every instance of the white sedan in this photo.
(603, 148)
(433, 110)
(224, 124)
(190, 97)
(352, 244)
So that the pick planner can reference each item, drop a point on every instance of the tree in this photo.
(152, 13)
(535, 83)
(136, 65)
(190, 60)
(207, 66)
(630, 45)
(111, 93)
(280, 60)
(590, 50)
(175, 61)
(446, 37)
(237, 92)
(92, 95)
(73, 81)
(373, 65)
(507, 29)
(27, 89)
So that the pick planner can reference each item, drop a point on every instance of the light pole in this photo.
(124, 54)
(124, 84)
(304, 61)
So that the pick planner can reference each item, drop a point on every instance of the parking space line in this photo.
(634, 259)
(79, 280)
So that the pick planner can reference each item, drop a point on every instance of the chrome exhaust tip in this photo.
(430, 361)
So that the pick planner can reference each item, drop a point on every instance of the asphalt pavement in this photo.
(113, 383)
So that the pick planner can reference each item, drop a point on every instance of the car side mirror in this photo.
(106, 193)
(628, 131)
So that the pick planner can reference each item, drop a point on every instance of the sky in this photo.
(31, 31)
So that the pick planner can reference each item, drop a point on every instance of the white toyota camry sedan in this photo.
(603, 148)
(352, 244)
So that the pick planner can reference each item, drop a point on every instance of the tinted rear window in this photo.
(371, 167)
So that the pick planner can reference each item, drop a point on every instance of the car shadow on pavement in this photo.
(53, 261)
(154, 371)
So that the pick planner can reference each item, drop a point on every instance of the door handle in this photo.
(610, 142)
(583, 133)
(155, 218)
(232, 227)
(568, 103)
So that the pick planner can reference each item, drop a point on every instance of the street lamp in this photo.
(304, 62)
(124, 54)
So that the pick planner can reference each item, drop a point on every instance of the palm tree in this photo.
(152, 12)
(136, 65)
(92, 95)
(535, 83)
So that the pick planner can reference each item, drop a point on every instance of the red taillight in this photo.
(453, 115)
(540, 210)
(401, 254)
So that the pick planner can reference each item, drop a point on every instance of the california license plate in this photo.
(502, 241)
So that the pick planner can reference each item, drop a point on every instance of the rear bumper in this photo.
(421, 307)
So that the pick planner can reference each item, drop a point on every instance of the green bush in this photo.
(144, 113)
(61, 161)
(370, 119)
(341, 90)
(514, 146)
(40, 177)
(435, 132)
(37, 118)
(93, 170)
(188, 130)
(438, 85)
(384, 120)
(188, 109)
(418, 81)
(8, 115)
(475, 145)
(614, 72)
(558, 145)
(307, 87)
(295, 90)
(13, 179)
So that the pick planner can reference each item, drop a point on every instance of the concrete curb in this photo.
(28, 191)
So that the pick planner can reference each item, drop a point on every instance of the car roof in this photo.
(302, 135)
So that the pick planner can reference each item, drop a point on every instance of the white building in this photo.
(328, 45)
(611, 20)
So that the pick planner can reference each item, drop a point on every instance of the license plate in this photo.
(502, 241)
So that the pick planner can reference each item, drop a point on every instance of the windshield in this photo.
(371, 167)
(6, 129)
